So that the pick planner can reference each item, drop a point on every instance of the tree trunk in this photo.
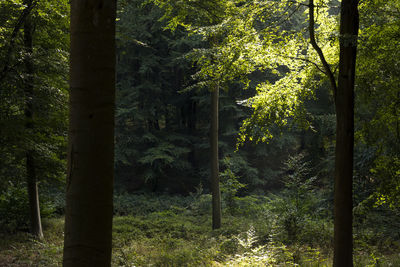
(89, 193)
(344, 102)
(32, 187)
(192, 131)
(216, 194)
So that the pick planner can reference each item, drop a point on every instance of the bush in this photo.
(143, 204)
(14, 208)
(250, 253)
(297, 206)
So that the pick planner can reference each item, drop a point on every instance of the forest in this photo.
(199, 133)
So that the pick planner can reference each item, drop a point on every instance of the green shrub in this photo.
(230, 186)
(143, 204)
(202, 204)
(14, 208)
(298, 205)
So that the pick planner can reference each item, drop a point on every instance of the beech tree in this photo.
(344, 103)
(33, 89)
(89, 204)
(32, 186)
(343, 93)
(277, 102)
(193, 16)
(215, 190)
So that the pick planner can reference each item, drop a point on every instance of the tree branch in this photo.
(21, 20)
(306, 60)
(314, 44)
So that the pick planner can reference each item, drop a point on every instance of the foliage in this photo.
(162, 118)
(155, 125)
(260, 36)
(272, 254)
(297, 206)
(21, 249)
(296, 68)
(174, 233)
(47, 138)
(377, 102)
(14, 208)
(277, 196)
(144, 204)
(230, 185)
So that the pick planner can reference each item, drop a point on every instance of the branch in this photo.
(307, 60)
(297, 2)
(302, 4)
(289, 15)
(314, 44)
(21, 20)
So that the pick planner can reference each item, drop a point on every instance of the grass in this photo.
(182, 236)
(22, 249)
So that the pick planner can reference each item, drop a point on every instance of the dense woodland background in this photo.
(276, 146)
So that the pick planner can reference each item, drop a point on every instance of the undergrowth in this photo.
(177, 232)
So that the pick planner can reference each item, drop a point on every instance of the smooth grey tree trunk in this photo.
(89, 193)
(216, 193)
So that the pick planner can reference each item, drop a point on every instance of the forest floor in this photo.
(178, 236)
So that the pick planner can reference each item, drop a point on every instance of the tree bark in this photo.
(344, 102)
(216, 193)
(32, 187)
(89, 193)
(344, 150)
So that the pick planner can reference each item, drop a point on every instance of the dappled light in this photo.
(199, 133)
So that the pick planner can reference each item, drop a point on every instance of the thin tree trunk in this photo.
(192, 131)
(32, 188)
(216, 194)
(33, 194)
(344, 151)
(343, 206)
(89, 195)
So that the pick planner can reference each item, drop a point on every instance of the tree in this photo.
(220, 65)
(216, 192)
(163, 114)
(33, 95)
(29, 5)
(33, 194)
(89, 206)
(344, 102)
(343, 94)
(211, 15)
(276, 103)
(231, 54)
(155, 117)
(377, 102)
